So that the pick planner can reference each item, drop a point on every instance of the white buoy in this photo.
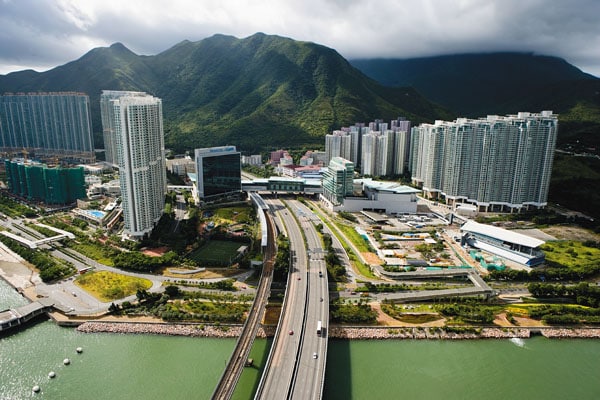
(51, 374)
(36, 389)
(66, 361)
(79, 350)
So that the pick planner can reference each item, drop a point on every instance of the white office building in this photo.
(135, 127)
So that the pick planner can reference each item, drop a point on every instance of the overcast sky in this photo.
(42, 34)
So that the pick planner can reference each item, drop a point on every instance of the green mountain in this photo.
(257, 93)
(476, 85)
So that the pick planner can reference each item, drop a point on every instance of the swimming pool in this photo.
(94, 213)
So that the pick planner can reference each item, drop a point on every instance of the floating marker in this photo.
(51, 374)
(66, 361)
(79, 350)
(36, 389)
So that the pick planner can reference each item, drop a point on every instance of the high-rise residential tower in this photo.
(47, 125)
(135, 126)
(496, 163)
(338, 144)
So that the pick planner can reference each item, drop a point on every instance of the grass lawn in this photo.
(107, 286)
(232, 215)
(354, 237)
(571, 254)
(93, 251)
(216, 251)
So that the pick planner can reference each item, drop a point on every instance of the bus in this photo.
(319, 328)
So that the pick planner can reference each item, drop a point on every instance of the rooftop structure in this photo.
(511, 245)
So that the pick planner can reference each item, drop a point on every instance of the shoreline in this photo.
(338, 332)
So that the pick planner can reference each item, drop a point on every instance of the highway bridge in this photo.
(296, 365)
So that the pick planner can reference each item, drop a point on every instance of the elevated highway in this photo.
(296, 365)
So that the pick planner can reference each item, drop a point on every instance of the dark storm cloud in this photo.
(43, 34)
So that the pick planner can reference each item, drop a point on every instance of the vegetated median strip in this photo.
(358, 266)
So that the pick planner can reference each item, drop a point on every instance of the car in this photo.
(291, 332)
(315, 355)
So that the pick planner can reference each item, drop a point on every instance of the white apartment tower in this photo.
(135, 127)
(338, 144)
(497, 163)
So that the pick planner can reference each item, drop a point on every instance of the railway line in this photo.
(239, 357)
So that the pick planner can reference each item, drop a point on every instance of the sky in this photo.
(42, 34)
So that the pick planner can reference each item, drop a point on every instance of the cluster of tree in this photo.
(582, 293)
(225, 284)
(428, 250)
(544, 274)
(263, 171)
(565, 315)
(395, 268)
(140, 262)
(281, 266)
(13, 209)
(69, 226)
(391, 287)
(186, 234)
(50, 268)
(360, 313)
(336, 270)
(349, 216)
(470, 313)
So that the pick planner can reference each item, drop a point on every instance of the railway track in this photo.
(237, 361)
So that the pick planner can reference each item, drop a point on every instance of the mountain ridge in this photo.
(259, 92)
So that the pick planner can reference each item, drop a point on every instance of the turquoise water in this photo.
(119, 367)
(95, 213)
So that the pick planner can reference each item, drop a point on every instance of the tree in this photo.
(172, 290)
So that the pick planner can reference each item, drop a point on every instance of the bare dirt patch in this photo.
(566, 232)
(371, 258)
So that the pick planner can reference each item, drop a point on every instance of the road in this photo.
(280, 367)
(296, 365)
(310, 368)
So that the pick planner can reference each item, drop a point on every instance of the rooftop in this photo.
(503, 234)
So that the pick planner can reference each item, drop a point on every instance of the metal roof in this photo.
(393, 187)
(502, 234)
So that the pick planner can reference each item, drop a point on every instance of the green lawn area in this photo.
(107, 286)
(354, 237)
(572, 254)
(96, 252)
(216, 252)
(232, 215)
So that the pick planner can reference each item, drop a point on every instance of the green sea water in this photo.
(158, 367)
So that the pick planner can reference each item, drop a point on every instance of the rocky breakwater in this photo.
(152, 328)
(571, 333)
(375, 333)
